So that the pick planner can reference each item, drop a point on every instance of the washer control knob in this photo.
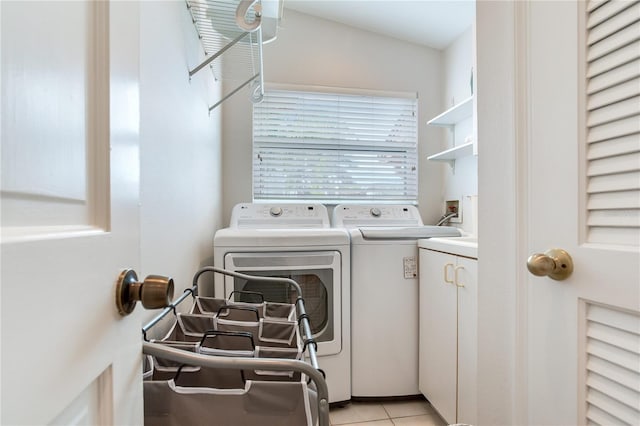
(275, 211)
(375, 212)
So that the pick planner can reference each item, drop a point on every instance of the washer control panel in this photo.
(345, 215)
(275, 211)
(269, 215)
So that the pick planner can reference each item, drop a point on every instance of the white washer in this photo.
(295, 241)
(384, 296)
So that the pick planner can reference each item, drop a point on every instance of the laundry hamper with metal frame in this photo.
(203, 372)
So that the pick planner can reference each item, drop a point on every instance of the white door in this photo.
(466, 282)
(69, 212)
(584, 197)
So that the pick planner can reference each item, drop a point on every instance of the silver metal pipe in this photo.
(211, 108)
(216, 55)
(168, 309)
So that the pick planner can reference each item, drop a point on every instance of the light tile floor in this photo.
(400, 413)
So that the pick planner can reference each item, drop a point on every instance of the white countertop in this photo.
(462, 246)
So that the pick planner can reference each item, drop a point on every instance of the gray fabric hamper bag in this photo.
(211, 306)
(190, 327)
(266, 332)
(193, 375)
(234, 345)
(258, 404)
(274, 333)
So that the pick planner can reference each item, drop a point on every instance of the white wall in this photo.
(313, 51)
(461, 183)
(180, 152)
(458, 62)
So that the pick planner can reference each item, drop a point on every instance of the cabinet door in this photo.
(438, 332)
(466, 281)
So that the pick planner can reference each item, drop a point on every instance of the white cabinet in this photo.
(448, 334)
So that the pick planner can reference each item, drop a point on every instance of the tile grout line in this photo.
(388, 415)
(430, 413)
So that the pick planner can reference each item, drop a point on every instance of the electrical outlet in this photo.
(453, 206)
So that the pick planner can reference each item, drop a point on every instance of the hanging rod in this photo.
(217, 54)
(233, 92)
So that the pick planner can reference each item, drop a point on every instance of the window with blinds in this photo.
(613, 122)
(335, 147)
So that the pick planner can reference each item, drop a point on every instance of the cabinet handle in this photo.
(455, 275)
(446, 279)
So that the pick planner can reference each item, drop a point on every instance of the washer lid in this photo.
(407, 232)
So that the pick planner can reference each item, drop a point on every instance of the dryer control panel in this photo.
(355, 215)
(279, 215)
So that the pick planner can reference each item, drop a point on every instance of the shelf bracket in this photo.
(452, 164)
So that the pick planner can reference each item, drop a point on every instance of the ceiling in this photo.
(433, 23)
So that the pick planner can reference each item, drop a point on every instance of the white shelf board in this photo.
(454, 153)
(454, 115)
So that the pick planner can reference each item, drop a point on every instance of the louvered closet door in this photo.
(583, 160)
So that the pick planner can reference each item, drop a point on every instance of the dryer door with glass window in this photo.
(317, 273)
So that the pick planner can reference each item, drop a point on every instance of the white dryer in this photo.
(295, 241)
(384, 296)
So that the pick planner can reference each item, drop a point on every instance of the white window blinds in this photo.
(334, 147)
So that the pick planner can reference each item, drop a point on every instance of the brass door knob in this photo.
(554, 263)
(156, 291)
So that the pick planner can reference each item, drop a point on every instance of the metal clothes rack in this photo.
(311, 369)
(231, 34)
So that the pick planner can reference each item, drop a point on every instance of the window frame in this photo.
(401, 160)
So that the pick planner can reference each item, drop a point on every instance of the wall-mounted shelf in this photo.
(454, 115)
(450, 119)
(454, 153)
(451, 155)
(232, 36)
